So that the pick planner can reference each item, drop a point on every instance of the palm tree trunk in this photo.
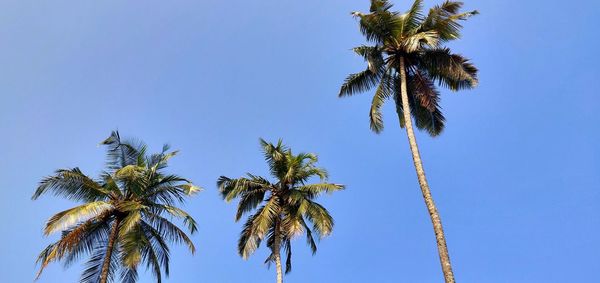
(433, 213)
(114, 233)
(278, 266)
(277, 256)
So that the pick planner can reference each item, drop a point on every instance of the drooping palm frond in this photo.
(359, 82)
(425, 110)
(450, 70)
(384, 91)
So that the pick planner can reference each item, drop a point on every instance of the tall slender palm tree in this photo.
(287, 205)
(121, 222)
(405, 62)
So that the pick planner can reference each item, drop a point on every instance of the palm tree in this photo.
(121, 222)
(406, 62)
(287, 205)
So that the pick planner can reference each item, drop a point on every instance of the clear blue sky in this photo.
(515, 174)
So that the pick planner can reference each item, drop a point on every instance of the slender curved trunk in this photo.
(433, 213)
(112, 238)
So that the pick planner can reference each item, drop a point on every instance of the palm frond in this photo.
(288, 256)
(424, 90)
(314, 190)
(232, 188)
(71, 184)
(248, 241)
(170, 231)
(129, 275)
(450, 70)
(319, 217)
(425, 110)
(121, 153)
(309, 238)
(64, 219)
(410, 20)
(420, 41)
(188, 220)
(383, 92)
(373, 56)
(380, 5)
(444, 19)
(249, 201)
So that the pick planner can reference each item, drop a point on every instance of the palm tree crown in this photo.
(417, 39)
(288, 205)
(121, 222)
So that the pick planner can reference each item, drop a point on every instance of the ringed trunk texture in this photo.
(277, 255)
(112, 238)
(433, 213)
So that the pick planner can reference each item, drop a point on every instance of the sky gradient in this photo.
(516, 174)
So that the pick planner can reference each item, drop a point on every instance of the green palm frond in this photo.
(309, 238)
(319, 217)
(123, 152)
(232, 188)
(178, 213)
(380, 26)
(410, 20)
(288, 255)
(249, 201)
(380, 5)
(71, 184)
(314, 190)
(373, 56)
(157, 252)
(170, 231)
(384, 91)
(444, 19)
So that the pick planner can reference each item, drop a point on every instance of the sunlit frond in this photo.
(64, 219)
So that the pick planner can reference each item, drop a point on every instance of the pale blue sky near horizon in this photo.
(516, 174)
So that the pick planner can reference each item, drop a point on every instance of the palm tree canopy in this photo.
(418, 39)
(133, 191)
(287, 206)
